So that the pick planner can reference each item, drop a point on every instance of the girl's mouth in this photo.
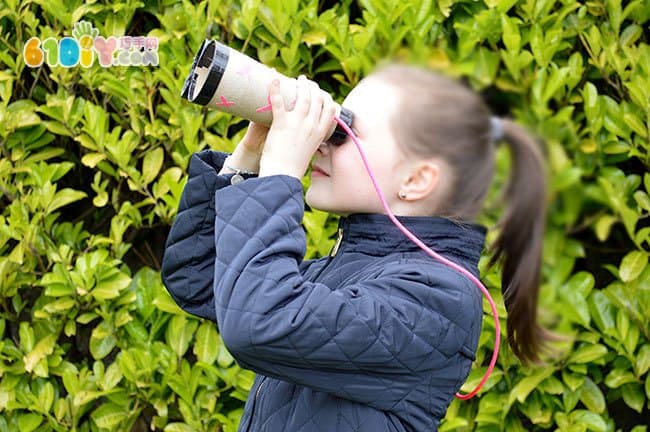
(318, 172)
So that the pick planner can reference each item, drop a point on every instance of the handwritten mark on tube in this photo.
(224, 102)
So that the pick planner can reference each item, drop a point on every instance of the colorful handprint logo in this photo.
(85, 43)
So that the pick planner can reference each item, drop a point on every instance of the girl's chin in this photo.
(317, 200)
(319, 205)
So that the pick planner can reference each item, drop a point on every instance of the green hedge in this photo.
(94, 161)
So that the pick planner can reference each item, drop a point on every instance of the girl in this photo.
(378, 336)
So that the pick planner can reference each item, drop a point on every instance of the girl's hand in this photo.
(248, 152)
(253, 141)
(296, 133)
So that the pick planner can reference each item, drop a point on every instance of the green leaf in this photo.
(602, 311)
(112, 377)
(147, 281)
(225, 359)
(642, 199)
(631, 339)
(165, 303)
(616, 147)
(46, 397)
(635, 124)
(580, 308)
(573, 381)
(57, 128)
(71, 382)
(206, 347)
(87, 317)
(511, 36)
(109, 415)
(555, 81)
(618, 377)
(179, 334)
(92, 159)
(592, 396)
(615, 13)
(593, 421)
(110, 288)
(551, 385)
(566, 178)
(29, 422)
(86, 396)
(64, 197)
(642, 364)
(603, 226)
(314, 37)
(622, 323)
(523, 388)
(632, 265)
(178, 427)
(26, 333)
(102, 340)
(633, 396)
(273, 22)
(581, 282)
(43, 348)
(127, 364)
(151, 165)
(137, 331)
(588, 354)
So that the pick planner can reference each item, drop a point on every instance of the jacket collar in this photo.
(376, 234)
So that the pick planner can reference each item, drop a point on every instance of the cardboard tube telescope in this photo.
(225, 79)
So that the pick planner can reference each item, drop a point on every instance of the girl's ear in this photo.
(424, 179)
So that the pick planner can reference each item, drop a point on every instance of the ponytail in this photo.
(519, 243)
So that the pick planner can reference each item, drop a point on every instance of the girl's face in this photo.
(347, 187)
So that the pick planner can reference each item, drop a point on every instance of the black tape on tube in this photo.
(214, 56)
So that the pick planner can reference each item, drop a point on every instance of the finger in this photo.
(257, 126)
(303, 96)
(316, 105)
(277, 101)
(327, 115)
(257, 129)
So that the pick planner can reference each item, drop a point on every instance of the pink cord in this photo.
(497, 328)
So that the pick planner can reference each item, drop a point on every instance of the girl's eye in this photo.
(336, 139)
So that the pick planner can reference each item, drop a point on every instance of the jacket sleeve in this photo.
(188, 260)
(348, 341)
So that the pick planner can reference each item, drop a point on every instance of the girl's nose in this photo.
(323, 148)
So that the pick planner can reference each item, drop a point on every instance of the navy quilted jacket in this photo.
(375, 337)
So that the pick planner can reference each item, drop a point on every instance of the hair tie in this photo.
(496, 129)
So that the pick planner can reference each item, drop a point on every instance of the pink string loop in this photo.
(417, 241)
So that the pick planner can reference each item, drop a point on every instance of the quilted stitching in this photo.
(380, 352)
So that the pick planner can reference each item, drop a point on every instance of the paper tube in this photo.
(225, 79)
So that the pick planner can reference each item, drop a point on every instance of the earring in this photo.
(402, 194)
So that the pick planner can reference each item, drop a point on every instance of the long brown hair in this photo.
(443, 118)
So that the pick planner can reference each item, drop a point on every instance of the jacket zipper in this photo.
(335, 248)
(332, 253)
(257, 393)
